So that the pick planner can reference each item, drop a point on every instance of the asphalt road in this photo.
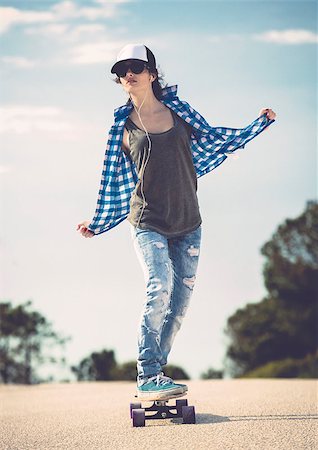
(231, 414)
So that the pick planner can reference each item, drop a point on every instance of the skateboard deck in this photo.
(161, 409)
(171, 396)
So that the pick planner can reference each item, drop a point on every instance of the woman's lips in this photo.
(131, 81)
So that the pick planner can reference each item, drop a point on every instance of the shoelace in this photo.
(160, 378)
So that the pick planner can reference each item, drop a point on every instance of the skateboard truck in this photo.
(160, 409)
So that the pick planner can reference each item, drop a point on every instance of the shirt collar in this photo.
(168, 93)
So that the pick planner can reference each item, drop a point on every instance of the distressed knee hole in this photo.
(159, 244)
(164, 299)
(165, 295)
(193, 251)
(189, 282)
(155, 285)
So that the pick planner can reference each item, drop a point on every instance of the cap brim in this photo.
(115, 66)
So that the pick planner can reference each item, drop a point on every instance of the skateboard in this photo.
(160, 409)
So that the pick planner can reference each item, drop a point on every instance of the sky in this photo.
(229, 60)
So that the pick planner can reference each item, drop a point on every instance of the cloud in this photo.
(54, 30)
(86, 30)
(22, 119)
(12, 16)
(66, 32)
(18, 61)
(95, 52)
(106, 2)
(69, 10)
(65, 11)
(84, 45)
(292, 36)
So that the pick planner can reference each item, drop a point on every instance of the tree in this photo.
(284, 324)
(24, 334)
(212, 374)
(287, 368)
(175, 372)
(99, 366)
(102, 366)
(126, 371)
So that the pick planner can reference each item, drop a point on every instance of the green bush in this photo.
(175, 372)
(212, 374)
(287, 368)
(128, 372)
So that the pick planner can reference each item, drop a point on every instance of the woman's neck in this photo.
(145, 101)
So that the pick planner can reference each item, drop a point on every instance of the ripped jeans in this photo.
(169, 266)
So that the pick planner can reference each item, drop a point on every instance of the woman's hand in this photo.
(82, 228)
(270, 114)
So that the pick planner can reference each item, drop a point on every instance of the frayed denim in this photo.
(169, 266)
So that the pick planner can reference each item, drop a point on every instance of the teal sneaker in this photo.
(160, 387)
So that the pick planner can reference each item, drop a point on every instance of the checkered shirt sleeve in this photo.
(118, 179)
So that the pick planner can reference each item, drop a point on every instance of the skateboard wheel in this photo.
(179, 404)
(134, 406)
(138, 417)
(188, 414)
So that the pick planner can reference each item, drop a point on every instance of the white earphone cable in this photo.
(143, 165)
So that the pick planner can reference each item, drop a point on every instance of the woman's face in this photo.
(136, 82)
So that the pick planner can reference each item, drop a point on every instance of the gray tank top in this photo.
(169, 180)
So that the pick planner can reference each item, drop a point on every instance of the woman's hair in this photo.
(157, 85)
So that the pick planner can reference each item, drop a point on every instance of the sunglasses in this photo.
(135, 66)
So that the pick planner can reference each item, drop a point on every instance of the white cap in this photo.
(135, 51)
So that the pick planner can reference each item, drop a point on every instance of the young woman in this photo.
(156, 150)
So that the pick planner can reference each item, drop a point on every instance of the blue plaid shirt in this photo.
(210, 147)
